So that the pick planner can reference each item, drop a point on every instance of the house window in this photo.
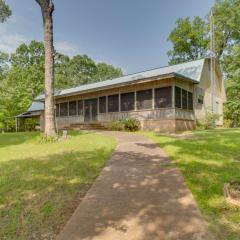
(113, 103)
(72, 108)
(102, 105)
(64, 109)
(80, 107)
(184, 99)
(163, 97)
(200, 99)
(199, 95)
(57, 110)
(178, 97)
(127, 101)
(190, 101)
(144, 99)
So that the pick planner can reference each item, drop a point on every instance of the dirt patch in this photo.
(184, 135)
(232, 192)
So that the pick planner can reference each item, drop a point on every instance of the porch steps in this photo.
(87, 126)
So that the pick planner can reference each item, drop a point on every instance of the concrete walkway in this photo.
(138, 196)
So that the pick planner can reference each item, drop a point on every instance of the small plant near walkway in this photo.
(42, 184)
(126, 124)
(208, 162)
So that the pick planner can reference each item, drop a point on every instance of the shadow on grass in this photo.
(11, 139)
(37, 196)
(207, 163)
(138, 197)
(8, 139)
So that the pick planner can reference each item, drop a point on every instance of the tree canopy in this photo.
(5, 11)
(190, 40)
(22, 76)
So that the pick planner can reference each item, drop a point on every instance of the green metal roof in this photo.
(36, 106)
(190, 70)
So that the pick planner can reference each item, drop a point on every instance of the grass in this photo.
(207, 161)
(41, 183)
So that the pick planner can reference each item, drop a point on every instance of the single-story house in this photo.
(169, 98)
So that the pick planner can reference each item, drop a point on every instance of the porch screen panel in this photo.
(73, 108)
(127, 101)
(113, 103)
(102, 105)
(57, 110)
(144, 99)
(178, 97)
(163, 97)
(184, 99)
(190, 101)
(64, 109)
(80, 107)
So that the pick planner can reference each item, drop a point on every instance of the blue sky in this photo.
(131, 34)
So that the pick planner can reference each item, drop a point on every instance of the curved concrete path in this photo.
(138, 196)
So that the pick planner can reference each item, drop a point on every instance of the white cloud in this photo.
(9, 42)
(66, 48)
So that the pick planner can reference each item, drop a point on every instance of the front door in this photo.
(91, 106)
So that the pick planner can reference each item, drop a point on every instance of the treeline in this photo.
(22, 76)
(191, 40)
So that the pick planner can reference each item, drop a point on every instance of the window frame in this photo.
(187, 99)
(76, 105)
(170, 97)
(133, 106)
(82, 101)
(57, 111)
(117, 97)
(99, 108)
(185, 107)
(192, 106)
(60, 115)
(137, 101)
(175, 105)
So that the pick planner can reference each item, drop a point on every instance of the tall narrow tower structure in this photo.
(213, 62)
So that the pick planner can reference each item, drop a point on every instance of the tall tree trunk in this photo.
(47, 9)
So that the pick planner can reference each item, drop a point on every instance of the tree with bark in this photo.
(5, 11)
(47, 8)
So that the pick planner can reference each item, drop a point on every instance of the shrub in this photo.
(131, 124)
(127, 124)
(117, 126)
(228, 123)
(208, 120)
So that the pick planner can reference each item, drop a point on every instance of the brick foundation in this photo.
(170, 125)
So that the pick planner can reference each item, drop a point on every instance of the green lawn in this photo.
(42, 183)
(207, 162)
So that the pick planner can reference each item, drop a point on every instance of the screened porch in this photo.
(167, 102)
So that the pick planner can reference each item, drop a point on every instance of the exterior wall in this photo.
(164, 119)
(162, 124)
(171, 125)
(219, 96)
